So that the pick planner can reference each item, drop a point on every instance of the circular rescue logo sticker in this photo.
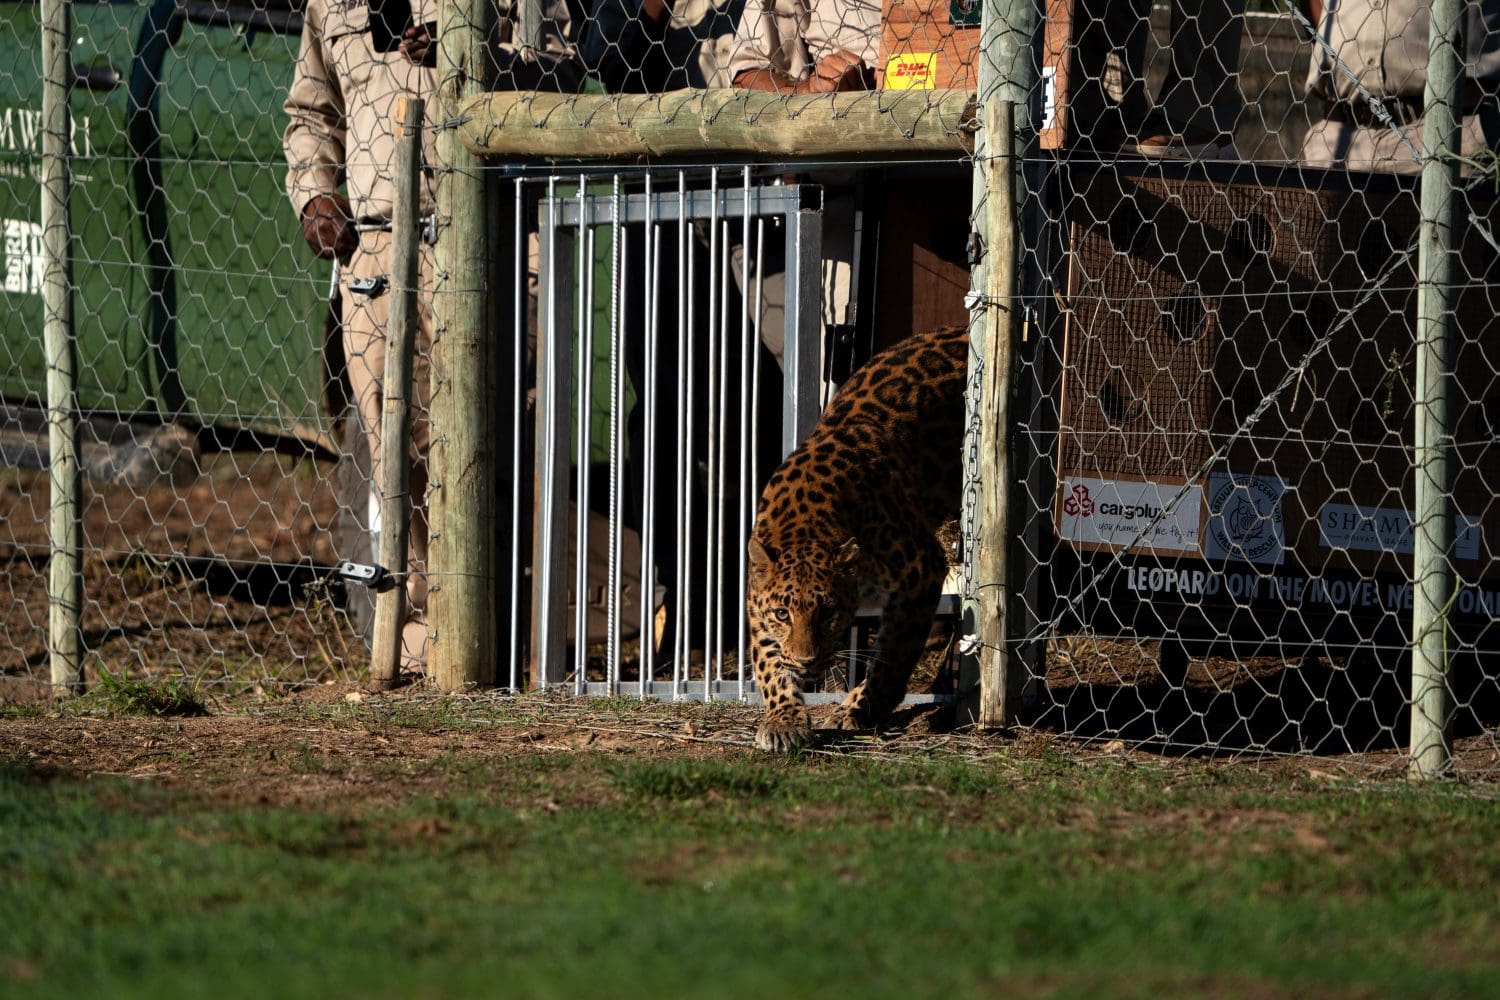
(1244, 518)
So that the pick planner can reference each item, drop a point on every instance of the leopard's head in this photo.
(804, 602)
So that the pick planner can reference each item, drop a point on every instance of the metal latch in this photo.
(368, 286)
(374, 577)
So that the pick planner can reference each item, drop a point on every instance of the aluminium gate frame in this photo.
(562, 220)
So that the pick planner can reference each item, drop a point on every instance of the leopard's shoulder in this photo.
(915, 381)
(891, 435)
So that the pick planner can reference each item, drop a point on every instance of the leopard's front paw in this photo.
(851, 718)
(781, 734)
(855, 712)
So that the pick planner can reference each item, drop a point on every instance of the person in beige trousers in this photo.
(1379, 53)
(352, 69)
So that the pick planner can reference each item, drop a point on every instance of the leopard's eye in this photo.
(831, 625)
(782, 614)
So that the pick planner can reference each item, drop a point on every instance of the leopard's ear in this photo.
(760, 560)
(848, 553)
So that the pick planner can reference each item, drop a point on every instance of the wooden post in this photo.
(65, 579)
(719, 123)
(1437, 297)
(990, 677)
(461, 602)
(395, 421)
(999, 684)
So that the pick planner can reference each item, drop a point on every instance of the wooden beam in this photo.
(719, 123)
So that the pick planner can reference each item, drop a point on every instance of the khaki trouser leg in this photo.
(1380, 148)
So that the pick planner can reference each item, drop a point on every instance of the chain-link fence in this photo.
(1245, 391)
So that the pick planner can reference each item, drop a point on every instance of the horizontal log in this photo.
(699, 123)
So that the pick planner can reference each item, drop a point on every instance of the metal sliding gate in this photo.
(655, 409)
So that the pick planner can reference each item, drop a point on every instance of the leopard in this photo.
(850, 520)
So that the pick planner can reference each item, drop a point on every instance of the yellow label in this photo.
(911, 71)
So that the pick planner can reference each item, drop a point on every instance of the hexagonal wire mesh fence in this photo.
(207, 434)
(1217, 393)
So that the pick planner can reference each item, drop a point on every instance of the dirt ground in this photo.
(244, 611)
(334, 745)
(265, 753)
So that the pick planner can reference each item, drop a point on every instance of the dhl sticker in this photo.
(911, 71)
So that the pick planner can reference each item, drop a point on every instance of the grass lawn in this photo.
(654, 874)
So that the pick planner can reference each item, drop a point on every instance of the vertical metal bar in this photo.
(1433, 532)
(518, 422)
(553, 420)
(1035, 418)
(1007, 80)
(715, 429)
(721, 499)
(395, 417)
(617, 310)
(648, 457)
(585, 449)
(65, 513)
(530, 24)
(747, 438)
(756, 352)
(684, 436)
(851, 657)
(802, 349)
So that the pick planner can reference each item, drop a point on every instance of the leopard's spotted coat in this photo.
(851, 514)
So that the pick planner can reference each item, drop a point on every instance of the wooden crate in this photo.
(922, 48)
(922, 274)
(1190, 301)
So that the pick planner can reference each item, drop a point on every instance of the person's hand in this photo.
(840, 71)
(654, 10)
(419, 44)
(328, 227)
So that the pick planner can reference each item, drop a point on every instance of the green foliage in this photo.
(116, 694)
(693, 779)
